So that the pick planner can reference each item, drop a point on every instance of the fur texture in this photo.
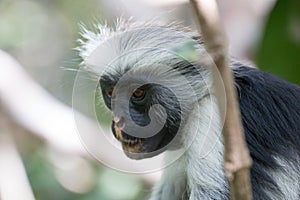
(270, 110)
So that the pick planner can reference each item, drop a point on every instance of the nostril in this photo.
(119, 121)
(115, 119)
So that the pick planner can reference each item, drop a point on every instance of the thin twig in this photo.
(237, 161)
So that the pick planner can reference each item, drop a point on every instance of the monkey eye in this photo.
(109, 93)
(138, 94)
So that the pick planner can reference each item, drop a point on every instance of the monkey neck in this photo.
(204, 155)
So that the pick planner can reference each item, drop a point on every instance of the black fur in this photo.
(270, 110)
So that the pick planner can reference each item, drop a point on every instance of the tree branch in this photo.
(14, 184)
(237, 161)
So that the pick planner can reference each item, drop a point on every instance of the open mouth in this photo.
(132, 146)
(131, 142)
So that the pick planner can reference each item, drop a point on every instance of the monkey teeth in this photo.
(131, 142)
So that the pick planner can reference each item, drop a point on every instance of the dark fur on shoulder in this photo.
(270, 110)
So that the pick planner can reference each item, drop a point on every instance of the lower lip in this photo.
(132, 148)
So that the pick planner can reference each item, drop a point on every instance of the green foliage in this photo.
(110, 184)
(280, 47)
(187, 50)
(42, 179)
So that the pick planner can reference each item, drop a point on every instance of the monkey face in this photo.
(152, 104)
(143, 131)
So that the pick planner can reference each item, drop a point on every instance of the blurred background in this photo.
(41, 156)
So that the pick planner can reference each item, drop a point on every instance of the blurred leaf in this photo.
(187, 50)
(280, 47)
(111, 185)
(119, 186)
(16, 25)
(42, 179)
(86, 11)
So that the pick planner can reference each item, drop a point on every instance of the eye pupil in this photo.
(138, 93)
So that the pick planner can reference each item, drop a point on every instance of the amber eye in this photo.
(109, 93)
(138, 93)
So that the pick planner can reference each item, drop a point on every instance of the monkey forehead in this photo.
(132, 46)
(158, 74)
(91, 39)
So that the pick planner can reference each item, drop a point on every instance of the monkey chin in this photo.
(133, 151)
(138, 151)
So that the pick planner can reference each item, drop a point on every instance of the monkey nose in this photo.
(119, 122)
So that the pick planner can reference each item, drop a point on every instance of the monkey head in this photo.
(149, 88)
